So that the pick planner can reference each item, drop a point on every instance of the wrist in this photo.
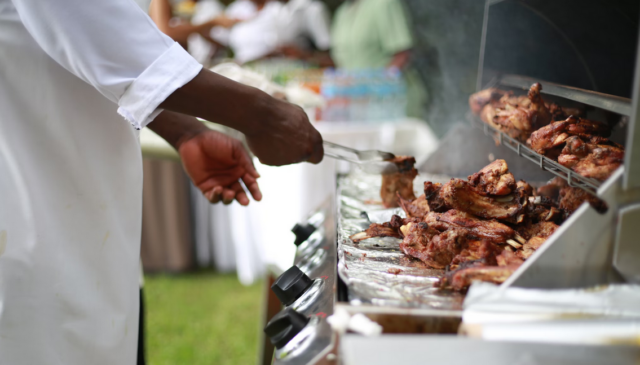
(260, 114)
(192, 130)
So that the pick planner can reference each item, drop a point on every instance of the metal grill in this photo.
(545, 163)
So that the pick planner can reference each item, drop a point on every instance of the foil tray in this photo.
(369, 267)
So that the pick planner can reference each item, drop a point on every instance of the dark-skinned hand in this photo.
(216, 164)
(285, 136)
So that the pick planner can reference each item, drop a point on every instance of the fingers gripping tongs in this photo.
(370, 161)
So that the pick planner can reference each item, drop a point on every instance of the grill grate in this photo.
(573, 179)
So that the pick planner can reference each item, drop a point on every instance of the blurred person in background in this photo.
(373, 34)
(297, 29)
(162, 14)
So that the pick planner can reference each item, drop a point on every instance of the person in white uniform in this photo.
(295, 29)
(77, 79)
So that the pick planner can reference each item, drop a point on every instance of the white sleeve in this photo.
(318, 23)
(115, 47)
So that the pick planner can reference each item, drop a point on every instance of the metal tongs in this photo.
(370, 161)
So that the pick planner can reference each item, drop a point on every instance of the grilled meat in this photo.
(490, 230)
(376, 230)
(462, 278)
(572, 198)
(477, 251)
(462, 196)
(518, 120)
(494, 179)
(417, 208)
(556, 134)
(596, 161)
(536, 235)
(432, 194)
(387, 229)
(457, 225)
(552, 188)
(480, 99)
(419, 242)
(508, 258)
(400, 183)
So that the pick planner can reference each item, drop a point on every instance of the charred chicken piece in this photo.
(551, 190)
(376, 230)
(596, 161)
(477, 251)
(494, 179)
(462, 196)
(572, 198)
(462, 278)
(536, 235)
(478, 100)
(490, 230)
(417, 208)
(508, 258)
(556, 134)
(432, 194)
(400, 183)
(387, 229)
(520, 121)
(419, 242)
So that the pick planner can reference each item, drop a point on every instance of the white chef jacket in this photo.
(278, 24)
(303, 20)
(71, 175)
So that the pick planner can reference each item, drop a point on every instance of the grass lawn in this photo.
(201, 319)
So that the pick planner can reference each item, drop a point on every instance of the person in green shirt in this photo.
(370, 34)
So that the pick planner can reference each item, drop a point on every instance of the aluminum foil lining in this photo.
(375, 270)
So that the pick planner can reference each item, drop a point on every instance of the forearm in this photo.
(176, 128)
(218, 99)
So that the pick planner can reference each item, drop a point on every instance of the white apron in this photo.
(71, 176)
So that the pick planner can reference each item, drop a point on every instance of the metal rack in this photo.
(608, 102)
(545, 163)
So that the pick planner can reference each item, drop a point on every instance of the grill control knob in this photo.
(291, 285)
(284, 326)
(302, 232)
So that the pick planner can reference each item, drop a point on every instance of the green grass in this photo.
(201, 319)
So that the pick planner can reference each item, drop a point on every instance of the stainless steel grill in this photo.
(603, 248)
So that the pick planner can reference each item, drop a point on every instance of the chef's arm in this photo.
(139, 68)
(400, 60)
(277, 132)
(161, 13)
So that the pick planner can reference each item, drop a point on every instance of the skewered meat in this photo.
(417, 208)
(461, 195)
(555, 134)
(400, 183)
(596, 161)
(490, 230)
(432, 193)
(572, 198)
(494, 179)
